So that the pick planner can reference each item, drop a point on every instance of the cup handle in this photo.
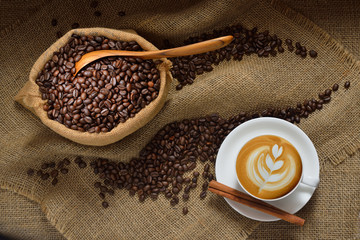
(310, 181)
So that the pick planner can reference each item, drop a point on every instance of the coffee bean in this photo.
(54, 22)
(39, 173)
(335, 87)
(121, 13)
(102, 195)
(105, 204)
(185, 210)
(51, 164)
(54, 181)
(30, 172)
(103, 189)
(288, 42)
(64, 170)
(347, 84)
(175, 190)
(97, 13)
(58, 34)
(179, 179)
(206, 167)
(313, 53)
(45, 176)
(75, 25)
(328, 92)
(78, 160)
(94, 4)
(82, 164)
(203, 194)
(205, 186)
(97, 184)
(327, 99)
(44, 166)
(54, 173)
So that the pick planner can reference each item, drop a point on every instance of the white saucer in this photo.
(226, 158)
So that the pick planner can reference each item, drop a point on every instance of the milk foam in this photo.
(270, 167)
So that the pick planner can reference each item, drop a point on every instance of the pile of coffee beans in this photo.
(102, 95)
(169, 164)
(246, 42)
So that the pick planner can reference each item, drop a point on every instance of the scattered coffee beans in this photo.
(104, 94)
(53, 172)
(246, 42)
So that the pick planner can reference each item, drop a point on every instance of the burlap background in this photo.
(71, 206)
(30, 97)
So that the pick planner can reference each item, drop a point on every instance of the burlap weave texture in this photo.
(233, 87)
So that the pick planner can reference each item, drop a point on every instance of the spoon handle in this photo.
(192, 49)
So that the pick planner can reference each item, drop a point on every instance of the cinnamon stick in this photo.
(249, 201)
(224, 188)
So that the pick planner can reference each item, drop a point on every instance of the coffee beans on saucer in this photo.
(106, 93)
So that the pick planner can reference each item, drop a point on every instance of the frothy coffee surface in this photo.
(268, 166)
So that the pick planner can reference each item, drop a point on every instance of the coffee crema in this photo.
(268, 167)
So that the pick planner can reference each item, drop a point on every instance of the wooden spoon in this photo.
(196, 48)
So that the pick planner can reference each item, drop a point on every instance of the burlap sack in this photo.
(253, 84)
(30, 97)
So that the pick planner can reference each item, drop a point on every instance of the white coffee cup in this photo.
(305, 181)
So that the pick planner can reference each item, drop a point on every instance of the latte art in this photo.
(268, 167)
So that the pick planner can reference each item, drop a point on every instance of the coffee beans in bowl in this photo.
(106, 101)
